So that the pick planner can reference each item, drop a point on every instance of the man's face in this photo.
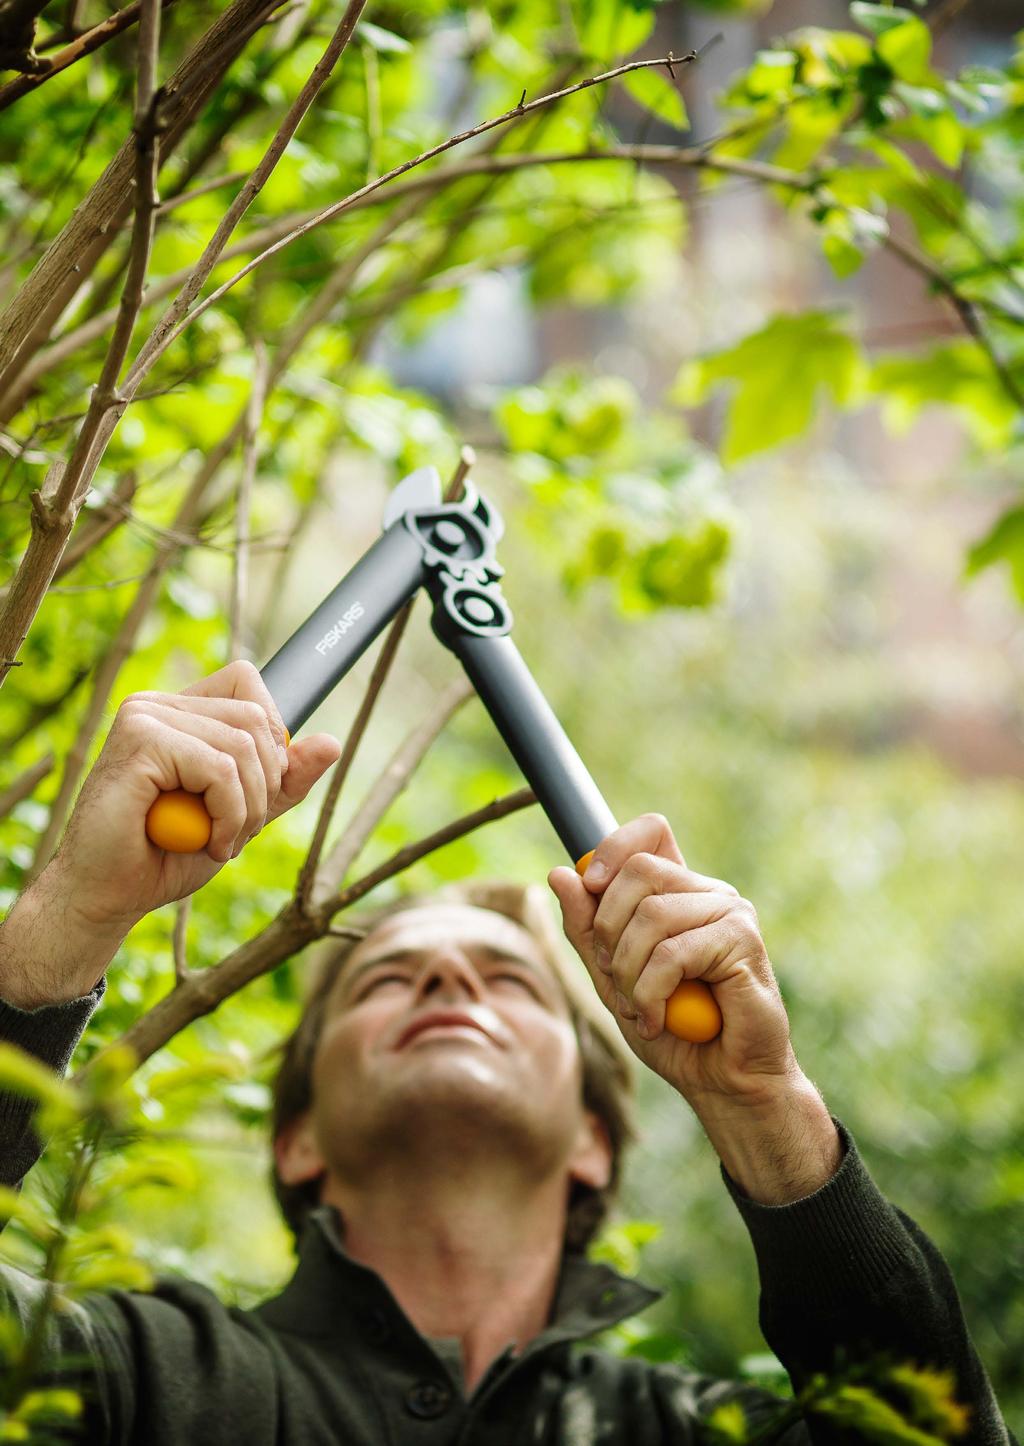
(447, 1032)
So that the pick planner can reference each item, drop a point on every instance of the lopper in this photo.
(448, 547)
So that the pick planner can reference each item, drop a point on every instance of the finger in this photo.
(241, 679)
(238, 713)
(657, 919)
(578, 909)
(180, 759)
(642, 876)
(693, 955)
(308, 760)
(650, 833)
(234, 742)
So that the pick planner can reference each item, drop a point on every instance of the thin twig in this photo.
(412, 853)
(168, 331)
(83, 44)
(237, 645)
(25, 784)
(156, 343)
(467, 461)
(179, 945)
(381, 668)
(386, 788)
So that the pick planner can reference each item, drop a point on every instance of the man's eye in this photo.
(377, 981)
(521, 979)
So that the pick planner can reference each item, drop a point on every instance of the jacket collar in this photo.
(330, 1293)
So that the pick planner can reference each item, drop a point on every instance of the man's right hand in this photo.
(222, 737)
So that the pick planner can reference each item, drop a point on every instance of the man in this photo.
(443, 1131)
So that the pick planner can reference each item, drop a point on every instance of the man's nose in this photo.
(449, 974)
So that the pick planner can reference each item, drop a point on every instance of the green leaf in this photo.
(877, 19)
(658, 94)
(1003, 543)
(957, 375)
(610, 28)
(906, 50)
(775, 376)
(860, 1410)
(380, 39)
(22, 1074)
(728, 1422)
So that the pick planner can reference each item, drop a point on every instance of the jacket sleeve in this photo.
(50, 1033)
(71, 1346)
(847, 1277)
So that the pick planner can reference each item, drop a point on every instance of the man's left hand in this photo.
(646, 923)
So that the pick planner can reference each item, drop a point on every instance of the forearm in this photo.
(779, 1149)
(49, 952)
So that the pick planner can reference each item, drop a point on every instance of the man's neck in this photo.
(475, 1260)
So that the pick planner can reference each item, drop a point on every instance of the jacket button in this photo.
(427, 1399)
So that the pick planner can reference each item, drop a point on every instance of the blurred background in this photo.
(763, 628)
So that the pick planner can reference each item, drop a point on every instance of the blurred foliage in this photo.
(716, 649)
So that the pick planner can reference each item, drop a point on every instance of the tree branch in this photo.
(381, 668)
(154, 346)
(250, 457)
(80, 46)
(164, 337)
(25, 784)
(390, 783)
(71, 257)
(57, 512)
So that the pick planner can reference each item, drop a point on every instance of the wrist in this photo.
(779, 1146)
(50, 950)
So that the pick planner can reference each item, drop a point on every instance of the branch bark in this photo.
(25, 784)
(72, 255)
(82, 45)
(250, 457)
(390, 783)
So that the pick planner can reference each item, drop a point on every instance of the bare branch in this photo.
(412, 853)
(163, 337)
(81, 45)
(25, 784)
(69, 260)
(28, 587)
(381, 668)
(467, 461)
(390, 783)
(250, 457)
(155, 345)
(179, 937)
(100, 523)
(57, 512)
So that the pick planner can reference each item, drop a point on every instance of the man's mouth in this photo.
(449, 1020)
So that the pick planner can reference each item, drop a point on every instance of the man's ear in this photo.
(296, 1152)
(591, 1162)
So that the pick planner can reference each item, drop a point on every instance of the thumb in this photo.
(579, 907)
(308, 760)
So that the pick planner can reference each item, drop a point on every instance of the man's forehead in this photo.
(432, 925)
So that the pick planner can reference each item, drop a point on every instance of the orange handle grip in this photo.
(691, 1011)
(178, 822)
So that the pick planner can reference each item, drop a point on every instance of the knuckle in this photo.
(669, 951)
(253, 715)
(651, 908)
(642, 867)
